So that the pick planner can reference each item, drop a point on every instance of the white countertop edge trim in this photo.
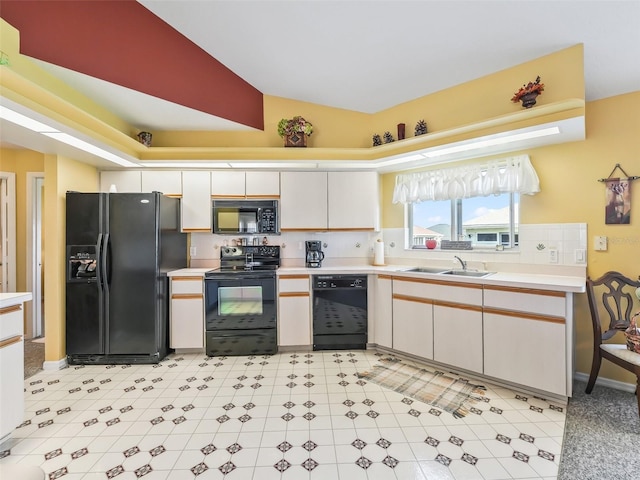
(569, 284)
(14, 298)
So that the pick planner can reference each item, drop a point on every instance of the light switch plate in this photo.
(192, 251)
(581, 255)
(553, 255)
(600, 243)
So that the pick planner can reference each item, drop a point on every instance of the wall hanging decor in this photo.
(528, 93)
(618, 197)
(295, 131)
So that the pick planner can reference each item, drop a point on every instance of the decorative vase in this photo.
(529, 99)
(145, 138)
(401, 131)
(295, 140)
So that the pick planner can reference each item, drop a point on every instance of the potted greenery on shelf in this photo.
(295, 131)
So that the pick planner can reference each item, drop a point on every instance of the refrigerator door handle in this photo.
(104, 262)
(99, 259)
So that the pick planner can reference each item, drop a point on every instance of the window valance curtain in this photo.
(513, 174)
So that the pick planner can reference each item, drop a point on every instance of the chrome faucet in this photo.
(462, 262)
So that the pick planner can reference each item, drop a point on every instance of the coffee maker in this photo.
(314, 254)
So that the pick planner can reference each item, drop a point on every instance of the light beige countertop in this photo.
(9, 299)
(189, 272)
(540, 281)
(562, 283)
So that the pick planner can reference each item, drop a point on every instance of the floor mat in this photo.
(456, 396)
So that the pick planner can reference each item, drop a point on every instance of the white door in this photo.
(38, 284)
(7, 232)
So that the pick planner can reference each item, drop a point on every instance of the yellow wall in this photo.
(571, 193)
(61, 174)
(20, 162)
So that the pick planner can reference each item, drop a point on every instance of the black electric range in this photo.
(241, 302)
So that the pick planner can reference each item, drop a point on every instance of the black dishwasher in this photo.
(339, 312)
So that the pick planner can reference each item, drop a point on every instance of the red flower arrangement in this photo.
(530, 87)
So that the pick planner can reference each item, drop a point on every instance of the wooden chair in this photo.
(612, 301)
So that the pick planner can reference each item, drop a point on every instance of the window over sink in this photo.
(485, 221)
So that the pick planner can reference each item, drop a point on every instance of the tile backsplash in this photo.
(539, 244)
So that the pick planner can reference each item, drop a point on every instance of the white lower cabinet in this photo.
(187, 312)
(12, 396)
(526, 349)
(382, 332)
(413, 326)
(457, 336)
(294, 311)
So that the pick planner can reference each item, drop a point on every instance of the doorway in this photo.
(35, 260)
(7, 232)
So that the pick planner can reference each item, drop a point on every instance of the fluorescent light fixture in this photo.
(87, 147)
(181, 164)
(399, 160)
(492, 142)
(47, 130)
(24, 121)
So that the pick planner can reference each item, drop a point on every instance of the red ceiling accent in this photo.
(124, 43)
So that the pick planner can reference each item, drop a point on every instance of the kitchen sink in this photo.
(427, 270)
(467, 273)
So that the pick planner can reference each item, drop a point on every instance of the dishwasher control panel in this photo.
(325, 282)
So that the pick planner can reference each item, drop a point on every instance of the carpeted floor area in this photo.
(602, 435)
(33, 357)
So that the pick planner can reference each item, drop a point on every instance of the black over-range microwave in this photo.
(259, 217)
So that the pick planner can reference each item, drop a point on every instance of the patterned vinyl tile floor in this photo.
(293, 416)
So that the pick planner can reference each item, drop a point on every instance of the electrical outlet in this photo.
(192, 251)
(553, 255)
(580, 255)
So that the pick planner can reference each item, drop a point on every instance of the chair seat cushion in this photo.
(621, 351)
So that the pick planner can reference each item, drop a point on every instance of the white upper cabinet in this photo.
(168, 182)
(235, 184)
(303, 201)
(196, 201)
(225, 183)
(329, 201)
(124, 181)
(353, 201)
(263, 184)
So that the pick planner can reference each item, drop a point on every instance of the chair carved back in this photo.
(611, 302)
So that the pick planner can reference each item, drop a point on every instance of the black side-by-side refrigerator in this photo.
(120, 247)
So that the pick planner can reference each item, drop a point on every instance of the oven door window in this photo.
(240, 300)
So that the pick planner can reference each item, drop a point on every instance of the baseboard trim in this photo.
(607, 382)
(55, 364)
(295, 348)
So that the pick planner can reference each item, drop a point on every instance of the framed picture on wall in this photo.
(618, 208)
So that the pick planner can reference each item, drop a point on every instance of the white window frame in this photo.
(457, 226)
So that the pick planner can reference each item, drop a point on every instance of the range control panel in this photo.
(271, 251)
